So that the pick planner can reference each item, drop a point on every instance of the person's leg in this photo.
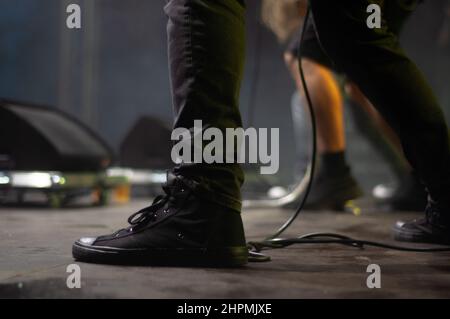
(324, 89)
(327, 100)
(334, 184)
(395, 15)
(374, 60)
(401, 166)
(407, 193)
(197, 221)
(206, 58)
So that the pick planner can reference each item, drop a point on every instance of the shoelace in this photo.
(150, 213)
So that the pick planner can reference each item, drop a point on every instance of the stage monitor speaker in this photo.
(34, 137)
(147, 145)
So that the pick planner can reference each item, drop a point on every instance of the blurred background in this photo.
(113, 72)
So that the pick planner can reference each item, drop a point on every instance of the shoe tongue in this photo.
(175, 181)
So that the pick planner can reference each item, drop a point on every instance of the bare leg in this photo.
(327, 100)
(334, 184)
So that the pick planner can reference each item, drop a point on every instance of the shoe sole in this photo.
(217, 257)
(337, 199)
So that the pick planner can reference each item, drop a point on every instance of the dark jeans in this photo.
(206, 52)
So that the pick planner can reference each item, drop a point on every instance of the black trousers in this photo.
(206, 52)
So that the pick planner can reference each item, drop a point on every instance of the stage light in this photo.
(32, 180)
(4, 180)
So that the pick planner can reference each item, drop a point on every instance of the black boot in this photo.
(332, 191)
(434, 228)
(179, 229)
(334, 184)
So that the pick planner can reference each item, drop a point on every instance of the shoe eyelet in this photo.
(166, 211)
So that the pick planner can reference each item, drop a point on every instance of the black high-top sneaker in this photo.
(178, 229)
(434, 228)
